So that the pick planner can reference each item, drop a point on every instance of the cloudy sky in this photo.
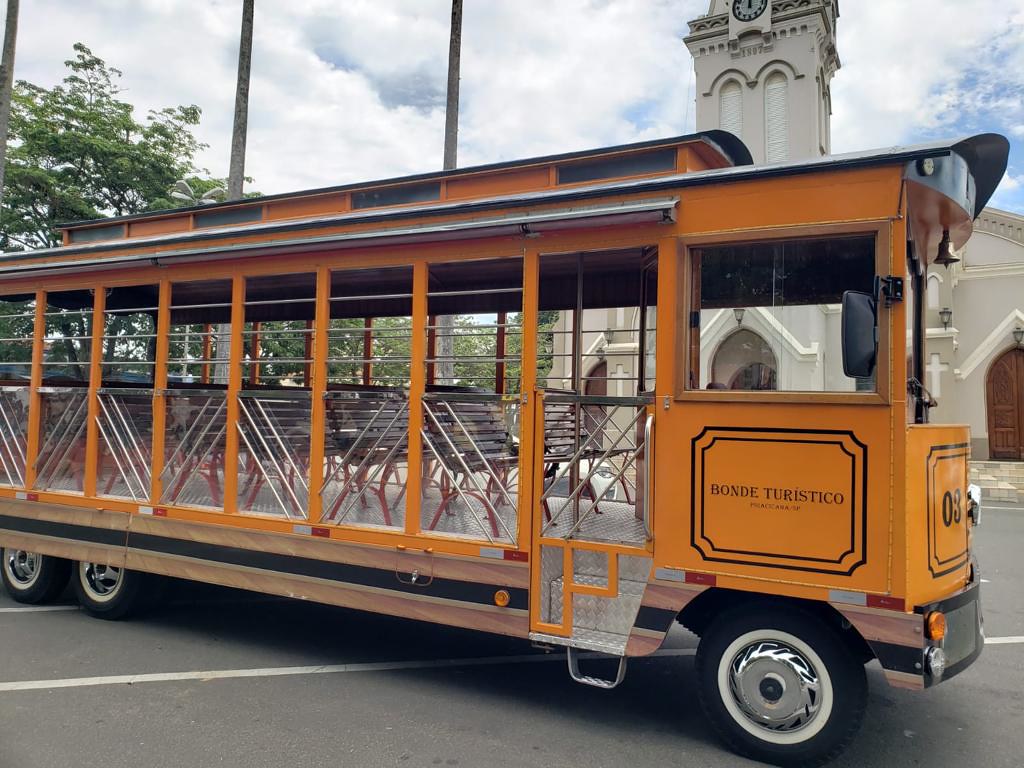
(350, 90)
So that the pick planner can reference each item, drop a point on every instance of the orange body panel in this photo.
(938, 528)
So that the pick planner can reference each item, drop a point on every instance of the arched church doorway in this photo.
(1005, 403)
(744, 361)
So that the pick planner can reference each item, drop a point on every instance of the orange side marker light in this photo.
(935, 625)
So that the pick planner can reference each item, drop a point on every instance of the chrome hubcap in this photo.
(775, 686)
(102, 580)
(22, 566)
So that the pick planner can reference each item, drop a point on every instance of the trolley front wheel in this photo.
(780, 685)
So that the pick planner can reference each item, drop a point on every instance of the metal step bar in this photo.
(597, 682)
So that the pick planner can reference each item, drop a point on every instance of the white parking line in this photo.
(39, 608)
(323, 669)
(1004, 640)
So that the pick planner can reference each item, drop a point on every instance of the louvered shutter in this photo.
(776, 113)
(730, 108)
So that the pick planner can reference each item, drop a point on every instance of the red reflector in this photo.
(159, 512)
(521, 557)
(32, 496)
(707, 579)
(323, 533)
(886, 602)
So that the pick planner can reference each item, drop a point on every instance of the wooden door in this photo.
(1005, 399)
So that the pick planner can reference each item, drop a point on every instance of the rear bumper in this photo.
(965, 634)
(898, 639)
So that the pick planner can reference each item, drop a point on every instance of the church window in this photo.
(730, 108)
(933, 291)
(776, 113)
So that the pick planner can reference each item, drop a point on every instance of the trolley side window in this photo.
(766, 316)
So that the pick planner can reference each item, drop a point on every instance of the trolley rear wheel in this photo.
(32, 578)
(109, 592)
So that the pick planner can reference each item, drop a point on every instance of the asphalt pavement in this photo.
(215, 677)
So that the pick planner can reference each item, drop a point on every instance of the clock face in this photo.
(748, 10)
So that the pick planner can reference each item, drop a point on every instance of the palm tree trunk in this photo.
(445, 370)
(7, 83)
(451, 110)
(236, 173)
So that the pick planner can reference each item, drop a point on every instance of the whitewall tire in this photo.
(29, 577)
(107, 591)
(780, 685)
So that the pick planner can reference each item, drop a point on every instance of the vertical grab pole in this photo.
(92, 435)
(499, 348)
(34, 398)
(207, 352)
(318, 418)
(431, 348)
(417, 386)
(230, 500)
(367, 351)
(254, 370)
(307, 354)
(163, 330)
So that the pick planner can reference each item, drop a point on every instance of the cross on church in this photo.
(935, 368)
(619, 376)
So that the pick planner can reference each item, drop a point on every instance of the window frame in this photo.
(881, 229)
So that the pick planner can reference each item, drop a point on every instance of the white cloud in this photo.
(355, 90)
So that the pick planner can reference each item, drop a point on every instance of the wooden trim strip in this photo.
(485, 618)
(381, 574)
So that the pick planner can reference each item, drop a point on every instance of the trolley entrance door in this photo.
(591, 514)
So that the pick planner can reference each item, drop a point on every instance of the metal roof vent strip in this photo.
(731, 148)
(455, 207)
(651, 210)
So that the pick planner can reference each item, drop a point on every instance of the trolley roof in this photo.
(533, 195)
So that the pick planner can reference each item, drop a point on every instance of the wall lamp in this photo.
(946, 316)
(738, 314)
(1018, 335)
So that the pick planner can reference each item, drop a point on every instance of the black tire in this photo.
(751, 662)
(32, 578)
(110, 593)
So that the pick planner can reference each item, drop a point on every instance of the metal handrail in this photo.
(551, 397)
(283, 393)
(472, 397)
(648, 429)
(183, 392)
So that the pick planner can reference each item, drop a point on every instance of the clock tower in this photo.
(764, 69)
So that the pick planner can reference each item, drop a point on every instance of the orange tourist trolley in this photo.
(573, 399)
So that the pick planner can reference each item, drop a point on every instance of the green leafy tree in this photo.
(78, 152)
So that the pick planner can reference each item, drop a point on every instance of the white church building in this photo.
(763, 71)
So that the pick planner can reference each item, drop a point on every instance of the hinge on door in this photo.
(889, 287)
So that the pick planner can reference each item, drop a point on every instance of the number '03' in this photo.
(952, 508)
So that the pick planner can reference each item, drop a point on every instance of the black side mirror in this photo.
(860, 334)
